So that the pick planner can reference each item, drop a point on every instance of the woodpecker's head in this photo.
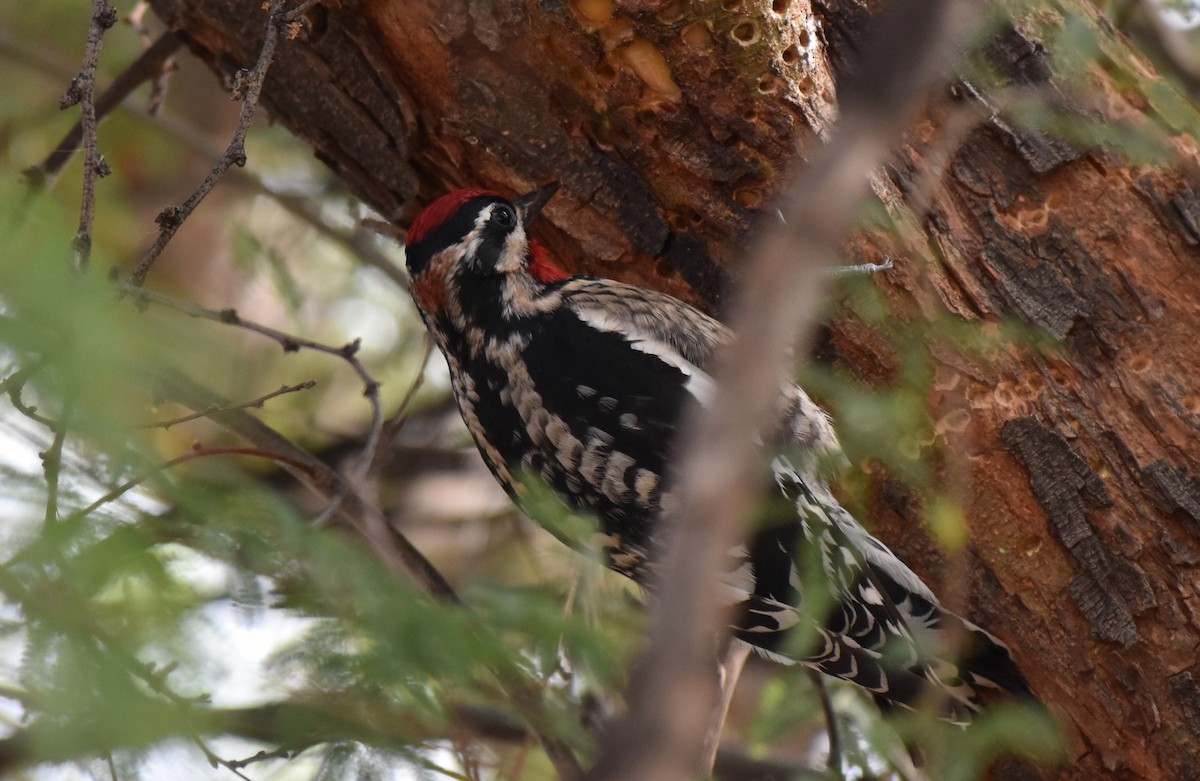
(472, 248)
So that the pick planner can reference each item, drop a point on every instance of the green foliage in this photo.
(111, 610)
(953, 754)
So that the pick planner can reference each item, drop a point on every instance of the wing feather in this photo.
(877, 624)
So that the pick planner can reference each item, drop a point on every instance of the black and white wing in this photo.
(603, 381)
(829, 595)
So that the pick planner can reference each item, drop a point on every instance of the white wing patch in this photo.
(698, 382)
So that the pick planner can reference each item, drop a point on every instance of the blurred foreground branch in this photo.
(356, 513)
(910, 50)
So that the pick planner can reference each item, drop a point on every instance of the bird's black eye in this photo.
(504, 216)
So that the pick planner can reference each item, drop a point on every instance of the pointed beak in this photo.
(530, 204)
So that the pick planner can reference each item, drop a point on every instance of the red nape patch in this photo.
(441, 210)
(541, 267)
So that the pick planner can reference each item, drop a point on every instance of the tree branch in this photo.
(392, 547)
(248, 86)
(397, 553)
(347, 352)
(672, 693)
(147, 66)
(252, 404)
(83, 92)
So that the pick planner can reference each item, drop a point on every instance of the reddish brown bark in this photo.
(670, 123)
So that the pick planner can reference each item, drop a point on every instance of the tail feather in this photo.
(876, 624)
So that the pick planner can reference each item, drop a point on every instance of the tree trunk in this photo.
(670, 123)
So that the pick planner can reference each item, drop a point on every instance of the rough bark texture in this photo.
(669, 123)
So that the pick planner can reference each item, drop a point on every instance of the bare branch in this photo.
(261, 756)
(83, 92)
(359, 240)
(52, 466)
(672, 694)
(293, 725)
(253, 403)
(392, 547)
(14, 384)
(51, 457)
(248, 86)
(198, 451)
(393, 427)
(835, 763)
(396, 552)
(147, 66)
(290, 344)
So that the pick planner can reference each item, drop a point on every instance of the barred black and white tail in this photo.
(815, 588)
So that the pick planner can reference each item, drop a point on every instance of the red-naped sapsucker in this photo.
(584, 382)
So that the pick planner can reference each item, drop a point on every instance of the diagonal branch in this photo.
(673, 692)
(252, 404)
(365, 519)
(347, 352)
(355, 513)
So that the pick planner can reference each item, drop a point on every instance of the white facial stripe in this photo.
(515, 247)
(698, 382)
(470, 242)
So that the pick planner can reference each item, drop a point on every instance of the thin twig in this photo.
(154, 63)
(216, 759)
(396, 552)
(379, 723)
(262, 756)
(347, 352)
(14, 384)
(52, 466)
(156, 679)
(248, 85)
(296, 724)
(253, 403)
(392, 428)
(83, 92)
(198, 451)
(834, 763)
(359, 240)
(52, 456)
(147, 66)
